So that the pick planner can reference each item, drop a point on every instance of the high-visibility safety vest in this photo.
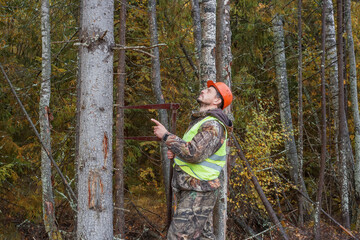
(210, 168)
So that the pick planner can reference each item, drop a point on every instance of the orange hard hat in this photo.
(224, 91)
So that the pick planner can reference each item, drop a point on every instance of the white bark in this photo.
(95, 204)
(343, 129)
(284, 105)
(331, 57)
(226, 71)
(317, 233)
(284, 101)
(353, 92)
(208, 41)
(44, 120)
(220, 210)
(223, 74)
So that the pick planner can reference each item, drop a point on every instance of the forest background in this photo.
(255, 109)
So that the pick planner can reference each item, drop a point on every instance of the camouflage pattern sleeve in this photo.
(206, 142)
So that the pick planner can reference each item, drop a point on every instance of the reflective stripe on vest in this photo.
(210, 168)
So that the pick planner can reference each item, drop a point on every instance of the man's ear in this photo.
(217, 101)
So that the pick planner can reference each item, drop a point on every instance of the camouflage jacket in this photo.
(207, 141)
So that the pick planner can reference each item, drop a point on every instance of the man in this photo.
(200, 157)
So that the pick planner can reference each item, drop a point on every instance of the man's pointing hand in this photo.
(159, 129)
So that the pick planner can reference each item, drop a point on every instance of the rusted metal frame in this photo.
(169, 106)
(173, 107)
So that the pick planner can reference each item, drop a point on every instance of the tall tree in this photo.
(353, 95)
(330, 41)
(208, 41)
(195, 13)
(322, 132)
(156, 85)
(300, 112)
(342, 122)
(119, 223)
(284, 101)
(223, 74)
(95, 203)
(45, 127)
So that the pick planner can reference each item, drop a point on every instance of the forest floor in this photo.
(145, 219)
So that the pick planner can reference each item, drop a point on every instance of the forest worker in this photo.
(199, 158)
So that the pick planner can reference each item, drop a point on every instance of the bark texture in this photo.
(95, 203)
(318, 206)
(223, 43)
(208, 41)
(343, 130)
(195, 13)
(156, 85)
(284, 101)
(45, 127)
(353, 92)
(119, 223)
(223, 74)
(331, 57)
(300, 114)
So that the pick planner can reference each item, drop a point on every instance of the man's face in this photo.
(208, 96)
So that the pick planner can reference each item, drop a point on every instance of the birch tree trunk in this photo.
(331, 56)
(156, 84)
(119, 223)
(353, 92)
(300, 114)
(48, 202)
(195, 13)
(223, 74)
(208, 41)
(78, 109)
(284, 101)
(227, 57)
(95, 203)
(342, 123)
(322, 133)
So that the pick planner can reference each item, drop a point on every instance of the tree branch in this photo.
(67, 186)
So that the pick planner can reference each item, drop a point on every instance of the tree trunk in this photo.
(300, 114)
(322, 133)
(208, 41)
(284, 102)
(156, 84)
(119, 223)
(220, 41)
(95, 203)
(78, 109)
(45, 127)
(330, 45)
(353, 93)
(342, 123)
(223, 74)
(195, 13)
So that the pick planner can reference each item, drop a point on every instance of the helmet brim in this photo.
(212, 84)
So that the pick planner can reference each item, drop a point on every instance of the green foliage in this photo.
(253, 84)
(6, 171)
(263, 138)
